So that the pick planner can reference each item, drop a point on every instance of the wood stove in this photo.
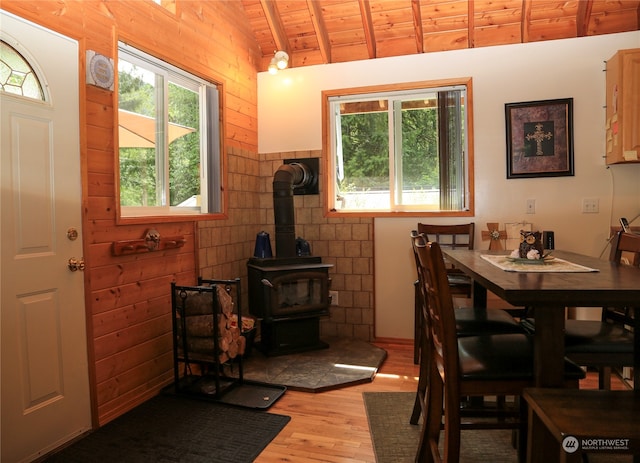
(288, 296)
(290, 292)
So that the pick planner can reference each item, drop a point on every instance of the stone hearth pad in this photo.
(344, 363)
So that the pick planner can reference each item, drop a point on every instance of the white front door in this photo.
(45, 382)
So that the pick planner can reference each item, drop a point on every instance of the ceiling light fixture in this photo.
(279, 61)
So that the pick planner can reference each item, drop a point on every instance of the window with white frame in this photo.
(169, 138)
(400, 150)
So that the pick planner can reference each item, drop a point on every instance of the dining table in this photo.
(566, 279)
(579, 281)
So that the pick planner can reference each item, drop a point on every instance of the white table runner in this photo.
(553, 265)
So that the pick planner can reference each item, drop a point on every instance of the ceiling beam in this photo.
(471, 24)
(417, 25)
(583, 15)
(321, 31)
(525, 23)
(367, 24)
(275, 25)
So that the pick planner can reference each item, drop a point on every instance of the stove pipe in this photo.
(285, 179)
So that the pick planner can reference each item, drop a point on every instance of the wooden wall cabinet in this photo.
(623, 107)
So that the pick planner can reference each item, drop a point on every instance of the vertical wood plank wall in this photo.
(128, 297)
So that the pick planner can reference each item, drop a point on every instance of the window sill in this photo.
(390, 214)
(151, 219)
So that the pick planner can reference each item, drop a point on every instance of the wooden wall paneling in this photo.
(101, 208)
(152, 370)
(131, 271)
(128, 297)
(101, 161)
(100, 136)
(101, 184)
(123, 317)
(132, 358)
(100, 113)
(242, 121)
(121, 340)
(243, 102)
(125, 401)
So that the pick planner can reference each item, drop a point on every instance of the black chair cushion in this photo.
(592, 336)
(472, 322)
(502, 357)
(458, 279)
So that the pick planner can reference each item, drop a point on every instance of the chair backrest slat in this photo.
(449, 236)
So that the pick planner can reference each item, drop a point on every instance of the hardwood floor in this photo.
(332, 426)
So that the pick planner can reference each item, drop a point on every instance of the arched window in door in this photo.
(16, 74)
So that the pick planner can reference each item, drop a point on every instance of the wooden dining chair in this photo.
(469, 321)
(459, 367)
(451, 236)
(610, 342)
(456, 236)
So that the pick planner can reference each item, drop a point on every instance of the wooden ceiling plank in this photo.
(526, 21)
(417, 25)
(321, 31)
(332, 31)
(367, 24)
(583, 15)
(275, 24)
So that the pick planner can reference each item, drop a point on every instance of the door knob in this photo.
(76, 264)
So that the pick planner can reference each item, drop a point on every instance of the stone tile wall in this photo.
(347, 243)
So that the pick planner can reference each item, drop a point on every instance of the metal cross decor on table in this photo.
(494, 235)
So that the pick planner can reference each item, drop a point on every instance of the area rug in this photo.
(173, 429)
(395, 440)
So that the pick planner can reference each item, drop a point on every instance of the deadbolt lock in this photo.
(72, 234)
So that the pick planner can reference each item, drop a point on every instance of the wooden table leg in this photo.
(479, 296)
(549, 372)
(549, 347)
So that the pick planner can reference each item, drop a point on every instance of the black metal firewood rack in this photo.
(209, 344)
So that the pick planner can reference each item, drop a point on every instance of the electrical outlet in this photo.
(531, 206)
(334, 297)
(590, 206)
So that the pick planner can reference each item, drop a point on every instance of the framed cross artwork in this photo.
(540, 138)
